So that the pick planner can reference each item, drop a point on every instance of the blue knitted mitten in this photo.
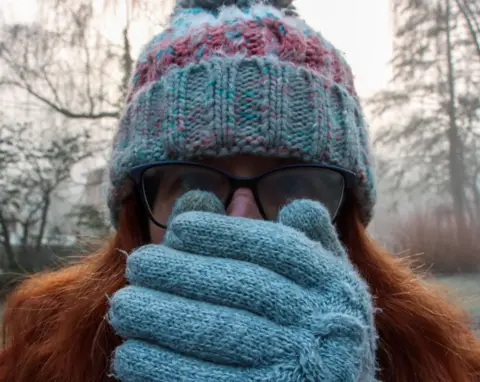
(236, 299)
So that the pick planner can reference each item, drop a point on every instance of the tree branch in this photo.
(470, 19)
(62, 110)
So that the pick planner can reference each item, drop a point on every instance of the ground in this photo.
(467, 289)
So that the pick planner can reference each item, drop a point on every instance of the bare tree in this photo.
(429, 111)
(470, 12)
(66, 62)
(9, 156)
(35, 167)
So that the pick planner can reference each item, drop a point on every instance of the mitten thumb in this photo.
(313, 219)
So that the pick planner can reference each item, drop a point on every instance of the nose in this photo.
(243, 204)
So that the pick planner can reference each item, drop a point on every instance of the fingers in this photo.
(270, 245)
(345, 290)
(204, 331)
(313, 219)
(226, 282)
(321, 264)
(136, 361)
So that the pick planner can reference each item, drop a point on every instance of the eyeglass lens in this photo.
(163, 184)
(314, 183)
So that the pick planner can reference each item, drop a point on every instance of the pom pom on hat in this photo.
(216, 4)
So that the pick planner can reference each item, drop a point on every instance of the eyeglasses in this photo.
(161, 184)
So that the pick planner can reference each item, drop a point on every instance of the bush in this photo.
(8, 281)
(433, 244)
(30, 261)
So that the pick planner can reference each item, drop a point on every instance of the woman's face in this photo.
(232, 179)
(242, 203)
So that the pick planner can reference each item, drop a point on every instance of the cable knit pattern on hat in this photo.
(247, 79)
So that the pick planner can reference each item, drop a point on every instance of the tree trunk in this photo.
(476, 194)
(456, 155)
(7, 245)
(43, 220)
(25, 234)
(127, 56)
(127, 60)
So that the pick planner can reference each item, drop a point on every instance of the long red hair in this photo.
(54, 326)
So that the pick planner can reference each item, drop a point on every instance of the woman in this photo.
(241, 153)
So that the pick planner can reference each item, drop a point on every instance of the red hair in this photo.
(54, 327)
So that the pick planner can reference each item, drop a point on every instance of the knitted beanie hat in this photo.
(241, 77)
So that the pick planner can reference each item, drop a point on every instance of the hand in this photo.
(236, 299)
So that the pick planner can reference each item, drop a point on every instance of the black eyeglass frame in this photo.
(235, 182)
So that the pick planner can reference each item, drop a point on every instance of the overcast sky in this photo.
(361, 29)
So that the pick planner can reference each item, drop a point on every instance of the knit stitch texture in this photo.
(236, 299)
(241, 79)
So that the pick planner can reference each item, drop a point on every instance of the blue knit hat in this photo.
(241, 77)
